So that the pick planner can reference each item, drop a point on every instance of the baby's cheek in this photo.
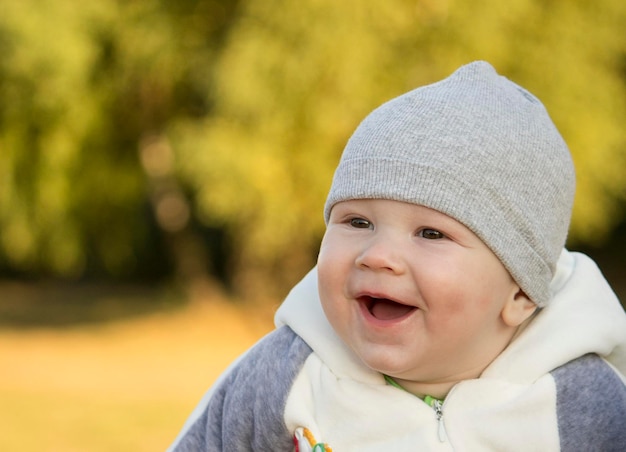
(452, 310)
(332, 268)
(329, 287)
(327, 282)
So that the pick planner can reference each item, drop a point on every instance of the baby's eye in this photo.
(431, 234)
(360, 223)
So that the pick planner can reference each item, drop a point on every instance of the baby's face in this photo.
(413, 292)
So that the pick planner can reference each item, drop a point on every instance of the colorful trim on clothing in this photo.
(304, 441)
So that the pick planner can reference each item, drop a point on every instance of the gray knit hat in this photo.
(480, 149)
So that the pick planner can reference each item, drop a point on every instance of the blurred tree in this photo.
(294, 79)
(125, 123)
(84, 107)
(45, 116)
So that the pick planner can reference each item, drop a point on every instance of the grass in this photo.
(125, 383)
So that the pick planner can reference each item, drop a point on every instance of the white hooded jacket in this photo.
(559, 385)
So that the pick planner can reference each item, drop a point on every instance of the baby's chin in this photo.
(386, 366)
(412, 376)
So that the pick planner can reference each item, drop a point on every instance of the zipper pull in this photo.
(437, 405)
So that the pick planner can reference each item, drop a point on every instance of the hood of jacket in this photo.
(584, 316)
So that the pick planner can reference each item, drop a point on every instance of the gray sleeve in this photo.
(245, 411)
(591, 406)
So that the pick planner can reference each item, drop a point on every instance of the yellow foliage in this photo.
(295, 78)
(281, 89)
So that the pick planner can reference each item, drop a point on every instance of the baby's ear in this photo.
(517, 309)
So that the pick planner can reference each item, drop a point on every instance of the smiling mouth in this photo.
(386, 309)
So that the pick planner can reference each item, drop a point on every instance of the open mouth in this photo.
(386, 309)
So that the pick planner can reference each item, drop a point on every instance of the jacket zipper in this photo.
(437, 406)
(441, 430)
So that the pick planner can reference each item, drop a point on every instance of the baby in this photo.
(444, 312)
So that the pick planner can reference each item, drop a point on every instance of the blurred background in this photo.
(163, 169)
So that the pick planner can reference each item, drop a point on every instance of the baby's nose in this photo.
(381, 254)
